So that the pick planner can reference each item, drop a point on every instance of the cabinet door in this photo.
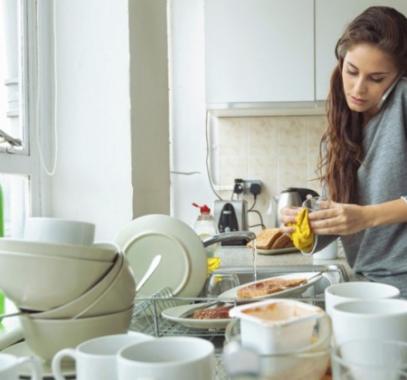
(259, 50)
(331, 18)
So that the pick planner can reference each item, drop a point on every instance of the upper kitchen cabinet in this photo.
(259, 50)
(331, 18)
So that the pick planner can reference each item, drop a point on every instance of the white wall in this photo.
(93, 178)
(187, 88)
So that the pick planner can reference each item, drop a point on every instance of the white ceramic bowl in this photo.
(357, 290)
(60, 231)
(97, 252)
(90, 297)
(36, 282)
(46, 337)
(183, 266)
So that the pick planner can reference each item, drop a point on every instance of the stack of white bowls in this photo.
(68, 288)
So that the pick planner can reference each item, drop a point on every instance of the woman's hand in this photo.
(339, 218)
(288, 215)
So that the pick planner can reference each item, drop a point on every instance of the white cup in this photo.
(168, 358)
(357, 290)
(96, 358)
(374, 319)
(330, 252)
(62, 231)
(9, 365)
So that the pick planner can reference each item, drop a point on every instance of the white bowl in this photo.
(36, 282)
(60, 231)
(277, 326)
(46, 337)
(357, 290)
(87, 299)
(97, 252)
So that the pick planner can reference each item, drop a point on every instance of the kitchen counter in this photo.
(233, 256)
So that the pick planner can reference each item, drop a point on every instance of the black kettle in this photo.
(293, 197)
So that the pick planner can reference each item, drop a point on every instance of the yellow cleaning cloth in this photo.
(302, 237)
(213, 264)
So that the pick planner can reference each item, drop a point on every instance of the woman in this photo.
(364, 150)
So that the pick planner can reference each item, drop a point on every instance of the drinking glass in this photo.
(314, 203)
(370, 359)
(220, 283)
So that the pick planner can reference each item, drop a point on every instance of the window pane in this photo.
(16, 203)
(10, 68)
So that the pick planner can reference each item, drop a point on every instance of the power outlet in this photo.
(253, 186)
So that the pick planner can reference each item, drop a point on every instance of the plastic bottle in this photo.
(205, 226)
(270, 216)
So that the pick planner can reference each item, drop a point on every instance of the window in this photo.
(24, 106)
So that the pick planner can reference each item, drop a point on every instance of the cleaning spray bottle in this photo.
(205, 226)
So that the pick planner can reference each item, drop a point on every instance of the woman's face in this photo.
(367, 73)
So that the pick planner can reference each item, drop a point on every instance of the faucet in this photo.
(227, 236)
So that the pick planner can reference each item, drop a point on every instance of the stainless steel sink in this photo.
(331, 274)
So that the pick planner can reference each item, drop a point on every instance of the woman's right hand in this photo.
(288, 215)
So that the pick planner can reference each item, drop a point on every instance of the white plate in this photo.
(183, 266)
(22, 349)
(174, 314)
(277, 251)
(314, 277)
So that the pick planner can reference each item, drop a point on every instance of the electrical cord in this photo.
(208, 157)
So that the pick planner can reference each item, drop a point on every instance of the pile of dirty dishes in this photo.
(69, 290)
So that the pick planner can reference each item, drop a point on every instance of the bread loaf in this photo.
(283, 241)
(267, 237)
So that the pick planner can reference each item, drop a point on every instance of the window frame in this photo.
(25, 160)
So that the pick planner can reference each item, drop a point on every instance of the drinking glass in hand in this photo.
(219, 283)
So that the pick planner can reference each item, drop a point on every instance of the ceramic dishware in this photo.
(384, 319)
(55, 230)
(357, 290)
(330, 252)
(168, 358)
(277, 326)
(9, 366)
(369, 359)
(97, 252)
(41, 283)
(183, 266)
(96, 358)
(46, 337)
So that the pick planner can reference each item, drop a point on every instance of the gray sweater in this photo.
(380, 253)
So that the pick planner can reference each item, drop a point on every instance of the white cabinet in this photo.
(259, 50)
(331, 18)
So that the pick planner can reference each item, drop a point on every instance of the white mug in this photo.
(9, 365)
(330, 252)
(96, 358)
(357, 290)
(60, 231)
(168, 358)
(373, 319)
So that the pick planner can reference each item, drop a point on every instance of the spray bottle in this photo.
(205, 226)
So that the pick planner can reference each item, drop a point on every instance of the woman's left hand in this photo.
(339, 219)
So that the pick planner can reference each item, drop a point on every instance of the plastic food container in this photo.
(277, 326)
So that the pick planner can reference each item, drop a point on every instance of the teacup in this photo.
(96, 358)
(9, 365)
(373, 319)
(168, 358)
(357, 290)
(54, 230)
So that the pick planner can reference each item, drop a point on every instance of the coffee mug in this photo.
(357, 290)
(372, 319)
(330, 252)
(96, 358)
(168, 358)
(60, 231)
(9, 365)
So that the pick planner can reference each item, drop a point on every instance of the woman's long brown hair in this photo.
(341, 150)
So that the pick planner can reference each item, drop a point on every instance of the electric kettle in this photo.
(293, 197)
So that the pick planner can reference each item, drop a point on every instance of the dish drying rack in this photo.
(147, 319)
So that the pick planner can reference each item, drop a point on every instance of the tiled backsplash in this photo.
(282, 151)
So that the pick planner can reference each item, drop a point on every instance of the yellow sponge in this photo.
(302, 237)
